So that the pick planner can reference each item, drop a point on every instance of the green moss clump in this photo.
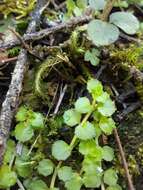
(20, 7)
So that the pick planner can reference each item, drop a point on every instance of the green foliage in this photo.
(61, 150)
(72, 117)
(65, 173)
(82, 105)
(20, 7)
(85, 131)
(92, 56)
(37, 184)
(29, 122)
(103, 33)
(126, 21)
(7, 177)
(110, 177)
(45, 167)
(97, 4)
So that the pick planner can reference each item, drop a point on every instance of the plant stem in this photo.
(55, 175)
(71, 146)
(107, 9)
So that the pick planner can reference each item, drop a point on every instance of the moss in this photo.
(131, 55)
(20, 7)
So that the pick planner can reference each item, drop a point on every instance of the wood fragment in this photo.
(125, 165)
(11, 101)
(107, 9)
(72, 23)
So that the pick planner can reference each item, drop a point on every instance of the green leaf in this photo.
(37, 122)
(91, 149)
(92, 57)
(91, 166)
(23, 170)
(7, 177)
(82, 105)
(86, 147)
(94, 87)
(107, 125)
(82, 4)
(61, 150)
(23, 132)
(104, 96)
(65, 173)
(116, 187)
(102, 33)
(71, 117)
(126, 21)
(86, 131)
(37, 185)
(108, 153)
(97, 4)
(110, 177)
(45, 167)
(10, 151)
(107, 108)
(92, 181)
(21, 114)
(74, 183)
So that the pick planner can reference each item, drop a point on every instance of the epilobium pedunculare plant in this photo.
(90, 119)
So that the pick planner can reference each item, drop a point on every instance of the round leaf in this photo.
(107, 125)
(83, 105)
(95, 88)
(107, 108)
(45, 167)
(126, 21)
(74, 183)
(97, 4)
(37, 122)
(72, 117)
(10, 151)
(61, 150)
(86, 131)
(21, 114)
(110, 177)
(37, 185)
(108, 153)
(92, 181)
(65, 173)
(23, 170)
(102, 33)
(7, 177)
(23, 133)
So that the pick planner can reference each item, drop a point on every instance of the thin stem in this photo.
(108, 7)
(71, 146)
(55, 175)
(128, 176)
(20, 184)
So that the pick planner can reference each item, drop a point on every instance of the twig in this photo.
(11, 101)
(107, 9)
(130, 183)
(46, 32)
(60, 99)
(7, 60)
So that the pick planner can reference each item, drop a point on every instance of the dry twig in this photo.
(11, 101)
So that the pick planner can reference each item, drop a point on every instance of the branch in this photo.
(11, 101)
(130, 183)
(107, 9)
(72, 23)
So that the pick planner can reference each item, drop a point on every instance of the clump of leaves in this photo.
(105, 33)
(89, 119)
(20, 7)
